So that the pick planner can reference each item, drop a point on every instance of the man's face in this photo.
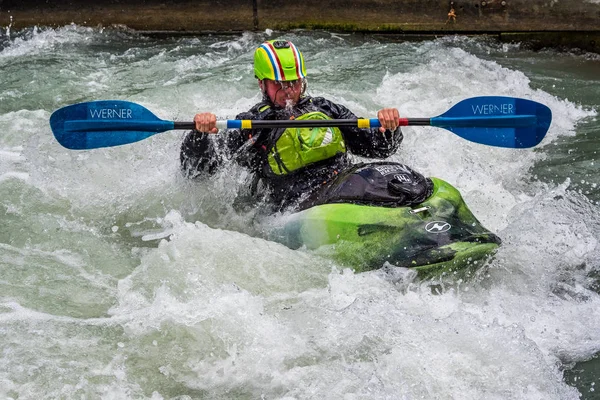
(283, 93)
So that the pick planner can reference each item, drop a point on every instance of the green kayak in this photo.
(436, 236)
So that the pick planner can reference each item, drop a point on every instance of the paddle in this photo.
(492, 120)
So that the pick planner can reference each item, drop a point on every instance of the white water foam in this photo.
(39, 40)
(210, 311)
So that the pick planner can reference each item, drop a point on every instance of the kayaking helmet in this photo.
(279, 60)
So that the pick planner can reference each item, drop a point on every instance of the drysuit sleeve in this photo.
(369, 143)
(203, 153)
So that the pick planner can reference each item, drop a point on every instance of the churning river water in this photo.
(120, 279)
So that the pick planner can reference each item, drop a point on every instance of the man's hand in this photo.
(389, 119)
(206, 122)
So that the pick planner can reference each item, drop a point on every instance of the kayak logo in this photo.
(392, 169)
(402, 178)
(438, 227)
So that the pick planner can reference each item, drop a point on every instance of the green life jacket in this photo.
(296, 148)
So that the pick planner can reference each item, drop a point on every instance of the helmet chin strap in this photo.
(263, 89)
(304, 86)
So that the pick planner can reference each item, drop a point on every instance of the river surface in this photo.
(120, 279)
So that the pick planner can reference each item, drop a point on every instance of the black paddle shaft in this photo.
(291, 123)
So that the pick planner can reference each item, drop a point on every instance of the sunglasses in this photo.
(289, 84)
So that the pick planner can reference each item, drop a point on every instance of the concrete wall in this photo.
(152, 15)
(559, 22)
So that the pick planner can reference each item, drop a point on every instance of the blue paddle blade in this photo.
(497, 121)
(104, 123)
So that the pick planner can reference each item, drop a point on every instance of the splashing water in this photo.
(120, 279)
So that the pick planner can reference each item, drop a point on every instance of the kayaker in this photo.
(289, 164)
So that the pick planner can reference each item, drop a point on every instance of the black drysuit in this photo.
(203, 153)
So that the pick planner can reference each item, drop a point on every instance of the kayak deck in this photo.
(437, 236)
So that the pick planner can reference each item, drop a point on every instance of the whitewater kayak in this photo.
(436, 236)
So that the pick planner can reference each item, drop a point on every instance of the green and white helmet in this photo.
(279, 60)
